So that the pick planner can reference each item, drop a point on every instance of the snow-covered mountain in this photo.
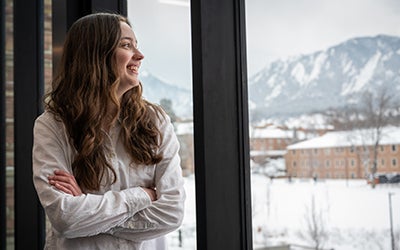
(154, 89)
(333, 77)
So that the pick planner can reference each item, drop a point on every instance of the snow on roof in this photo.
(274, 132)
(267, 152)
(390, 135)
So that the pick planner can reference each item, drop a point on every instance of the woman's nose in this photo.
(137, 54)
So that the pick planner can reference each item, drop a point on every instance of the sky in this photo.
(275, 29)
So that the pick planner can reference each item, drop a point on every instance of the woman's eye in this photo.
(126, 45)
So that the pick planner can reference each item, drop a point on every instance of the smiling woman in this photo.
(103, 153)
(128, 59)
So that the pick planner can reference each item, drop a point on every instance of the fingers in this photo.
(61, 187)
(65, 182)
(65, 187)
(151, 192)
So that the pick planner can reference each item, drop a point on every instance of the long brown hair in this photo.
(84, 90)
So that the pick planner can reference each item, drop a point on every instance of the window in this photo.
(32, 8)
(394, 148)
(293, 47)
(159, 25)
(394, 162)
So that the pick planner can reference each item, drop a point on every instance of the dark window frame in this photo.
(222, 170)
(28, 90)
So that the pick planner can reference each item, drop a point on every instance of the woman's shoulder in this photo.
(49, 119)
(160, 117)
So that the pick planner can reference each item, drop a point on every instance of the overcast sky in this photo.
(275, 29)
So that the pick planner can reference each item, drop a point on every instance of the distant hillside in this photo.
(155, 89)
(334, 77)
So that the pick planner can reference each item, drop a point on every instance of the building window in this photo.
(382, 162)
(327, 151)
(352, 162)
(328, 163)
(394, 148)
(294, 164)
(394, 162)
(382, 148)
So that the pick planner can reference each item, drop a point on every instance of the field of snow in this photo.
(350, 214)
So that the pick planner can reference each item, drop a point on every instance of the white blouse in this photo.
(120, 215)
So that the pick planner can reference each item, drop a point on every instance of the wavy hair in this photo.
(84, 91)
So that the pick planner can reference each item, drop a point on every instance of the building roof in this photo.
(273, 132)
(390, 135)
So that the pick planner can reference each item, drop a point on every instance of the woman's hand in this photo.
(151, 192)
(65, 182)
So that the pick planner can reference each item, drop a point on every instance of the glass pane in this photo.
(324, 85)
(163, 32)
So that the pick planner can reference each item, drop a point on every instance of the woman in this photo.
(105, 161)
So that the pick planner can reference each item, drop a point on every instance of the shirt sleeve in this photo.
(166, 213)
(76, 216)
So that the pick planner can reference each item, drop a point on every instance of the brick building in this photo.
(344, 154)
(270, 141)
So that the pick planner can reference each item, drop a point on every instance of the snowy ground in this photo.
(352, 214)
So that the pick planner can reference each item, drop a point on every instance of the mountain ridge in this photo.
(329, 78)
(155, 89)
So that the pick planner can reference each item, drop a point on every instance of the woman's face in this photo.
(128, 59)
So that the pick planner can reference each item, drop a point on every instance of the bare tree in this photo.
(375, 110)
(316, 231)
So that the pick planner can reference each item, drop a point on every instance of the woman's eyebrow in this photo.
(127, 37)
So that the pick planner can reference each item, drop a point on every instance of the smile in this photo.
(133, 68)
